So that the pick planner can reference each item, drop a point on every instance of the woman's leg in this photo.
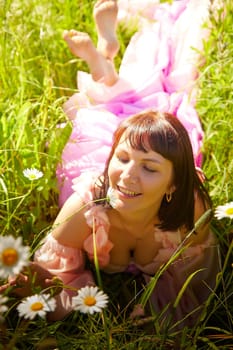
(105, 15)
(100, 59)
(81, 45)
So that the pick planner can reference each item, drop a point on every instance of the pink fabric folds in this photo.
(200, 265)
(66, 262)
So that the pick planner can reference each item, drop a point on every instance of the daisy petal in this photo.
(38, 304)
(90, 300)
(13, 256)
(32, 174)
(224, 211)
(111, 197)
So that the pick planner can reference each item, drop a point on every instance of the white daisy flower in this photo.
(224, 211)
(89, 300)
(38, 304)
(13, 256)
(111, 197)
(3, 307)
(32, 174)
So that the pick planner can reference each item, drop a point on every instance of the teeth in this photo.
(128, 193)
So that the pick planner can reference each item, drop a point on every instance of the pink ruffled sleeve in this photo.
(60, 260)
(97, 219)
(67, 264)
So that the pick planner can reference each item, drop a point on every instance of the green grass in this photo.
(37, 74)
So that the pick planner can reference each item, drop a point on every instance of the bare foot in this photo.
(105, 15)
(81, 45)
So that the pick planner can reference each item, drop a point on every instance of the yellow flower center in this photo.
(37, 306)
(90, 301)
(229, 211)
(9, 256)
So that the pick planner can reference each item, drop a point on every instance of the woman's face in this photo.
(139, 180)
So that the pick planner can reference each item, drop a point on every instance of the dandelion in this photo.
(13, 256)
(32, 174)
(224, 211)
(89, 300)
(111, 197)
(38, 304)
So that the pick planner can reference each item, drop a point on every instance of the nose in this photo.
(130, 172)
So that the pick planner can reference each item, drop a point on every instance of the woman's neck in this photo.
(137, 225)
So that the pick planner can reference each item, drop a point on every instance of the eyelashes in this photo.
(149, 169)
(124, 160)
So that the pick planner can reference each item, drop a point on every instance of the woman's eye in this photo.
(122, 159)
(147, 168)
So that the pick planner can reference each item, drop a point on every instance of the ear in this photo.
(171, 189)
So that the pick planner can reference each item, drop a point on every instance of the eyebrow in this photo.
(152, 160)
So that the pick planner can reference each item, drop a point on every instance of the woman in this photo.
(156, 196)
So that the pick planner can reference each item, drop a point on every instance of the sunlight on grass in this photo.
(37, 74)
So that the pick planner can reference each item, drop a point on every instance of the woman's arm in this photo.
(60, 254)
(70, 227)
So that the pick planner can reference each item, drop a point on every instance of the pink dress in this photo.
(68, 263)
(158, 71)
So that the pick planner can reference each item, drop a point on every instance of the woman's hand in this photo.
(32, 280)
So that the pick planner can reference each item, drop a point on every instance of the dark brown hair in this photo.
(164, 134)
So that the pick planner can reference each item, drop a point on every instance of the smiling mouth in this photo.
(128, 193)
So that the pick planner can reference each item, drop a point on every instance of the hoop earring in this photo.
(169, 197)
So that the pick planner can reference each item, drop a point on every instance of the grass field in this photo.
(37, 74)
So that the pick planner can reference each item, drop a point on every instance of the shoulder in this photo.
(70, 227)
(86, 185)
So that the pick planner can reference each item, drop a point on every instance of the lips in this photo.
(127, 192)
